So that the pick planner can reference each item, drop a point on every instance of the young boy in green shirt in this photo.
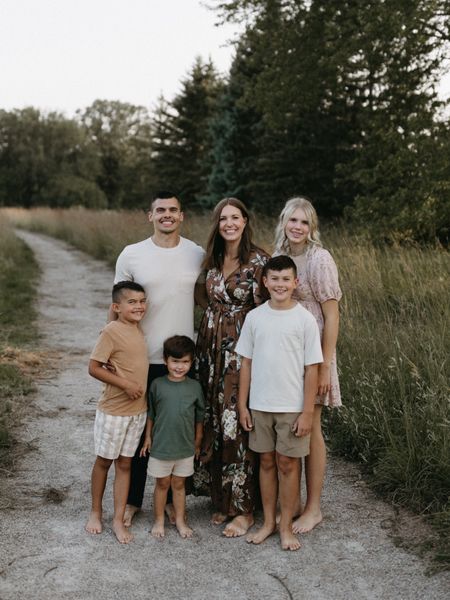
(174, 431)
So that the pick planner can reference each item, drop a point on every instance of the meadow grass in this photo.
(393, 348)
(18, 274)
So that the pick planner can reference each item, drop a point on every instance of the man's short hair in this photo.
(279, 263)
(178, 346)
(117, 291)
(163, 195)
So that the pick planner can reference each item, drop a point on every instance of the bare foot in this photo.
(122, 534)
(306, 522)
(184, 530)
(170, 512)
(289, 541)
(94, 524)
(263, 532)
(218, 518)
(129, 513)
(158, 529)
(238, 526)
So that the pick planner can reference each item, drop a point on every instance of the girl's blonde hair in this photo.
(281, 241)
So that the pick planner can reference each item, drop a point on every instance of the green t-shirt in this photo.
(174, 408)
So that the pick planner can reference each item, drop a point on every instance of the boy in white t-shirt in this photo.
(280, 349)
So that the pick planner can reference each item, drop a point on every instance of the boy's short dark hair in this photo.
(117, 291)
(178, 346)
(279, 263)
(163, 195)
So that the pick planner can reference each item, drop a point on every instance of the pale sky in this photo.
(64, 54)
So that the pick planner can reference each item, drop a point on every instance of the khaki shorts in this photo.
(116, 436)
(273, 431)
(183, 467)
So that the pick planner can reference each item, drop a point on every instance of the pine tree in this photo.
(181, 135)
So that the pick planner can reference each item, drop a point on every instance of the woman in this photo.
(318, 291)
(228, 469)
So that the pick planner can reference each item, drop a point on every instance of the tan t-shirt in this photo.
(125, 347)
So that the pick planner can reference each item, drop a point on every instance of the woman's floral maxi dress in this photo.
(227, 470)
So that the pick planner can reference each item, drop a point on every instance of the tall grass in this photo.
(393, 347)
(103, 234)
(18, 274)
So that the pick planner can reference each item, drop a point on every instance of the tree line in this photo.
(333, 99)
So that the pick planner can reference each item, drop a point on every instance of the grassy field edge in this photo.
(19, 273)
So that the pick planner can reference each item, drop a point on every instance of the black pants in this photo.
(139, 464)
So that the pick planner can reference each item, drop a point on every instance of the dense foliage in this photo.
(335, 99)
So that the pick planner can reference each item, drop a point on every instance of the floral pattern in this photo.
(319, 282)
(228, 468)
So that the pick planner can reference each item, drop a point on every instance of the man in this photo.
(167, 266)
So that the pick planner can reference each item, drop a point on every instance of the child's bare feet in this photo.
(94, 524)
(183, 529)
(129, 513)
(170, 512)
(289, 541)
(218, 518)
(158, 529)
(238, 526)
(121, 532)
(307, 522)
(261, 534)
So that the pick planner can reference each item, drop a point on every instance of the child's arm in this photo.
(198, 438)
(330, 310)
(303, 423)
(132, 389)
(148, 438)
(245, 417)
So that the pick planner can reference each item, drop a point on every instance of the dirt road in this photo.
(45, 553)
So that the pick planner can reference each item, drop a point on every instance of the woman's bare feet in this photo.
(261, 534)
(238, 526)
(183, 529)
(218, 518)
(170, 512)
(122, 534)
(94, 524)
(306, 522)
(289, 541)
(158, 529)
(129, 513)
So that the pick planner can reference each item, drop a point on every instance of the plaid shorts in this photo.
(116, 436)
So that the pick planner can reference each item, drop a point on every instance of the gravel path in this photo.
(45, 553)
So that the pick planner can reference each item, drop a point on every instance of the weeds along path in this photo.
(45, 553)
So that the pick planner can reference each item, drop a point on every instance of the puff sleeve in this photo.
(323, 276)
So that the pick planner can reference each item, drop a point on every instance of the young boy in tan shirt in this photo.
(122, 410)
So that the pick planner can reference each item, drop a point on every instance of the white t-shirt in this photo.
(168, 276)
(280, 343)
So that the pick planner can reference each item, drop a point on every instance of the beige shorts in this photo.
(273, 431)
(116, 436)
(183, 467)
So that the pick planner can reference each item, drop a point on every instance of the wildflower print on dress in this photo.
(230, 462)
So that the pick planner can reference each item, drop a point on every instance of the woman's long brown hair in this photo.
(215, 247)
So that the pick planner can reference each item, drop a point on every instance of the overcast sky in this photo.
(64, 54)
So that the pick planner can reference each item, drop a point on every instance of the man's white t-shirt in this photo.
(168, 276)
(280, 344)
